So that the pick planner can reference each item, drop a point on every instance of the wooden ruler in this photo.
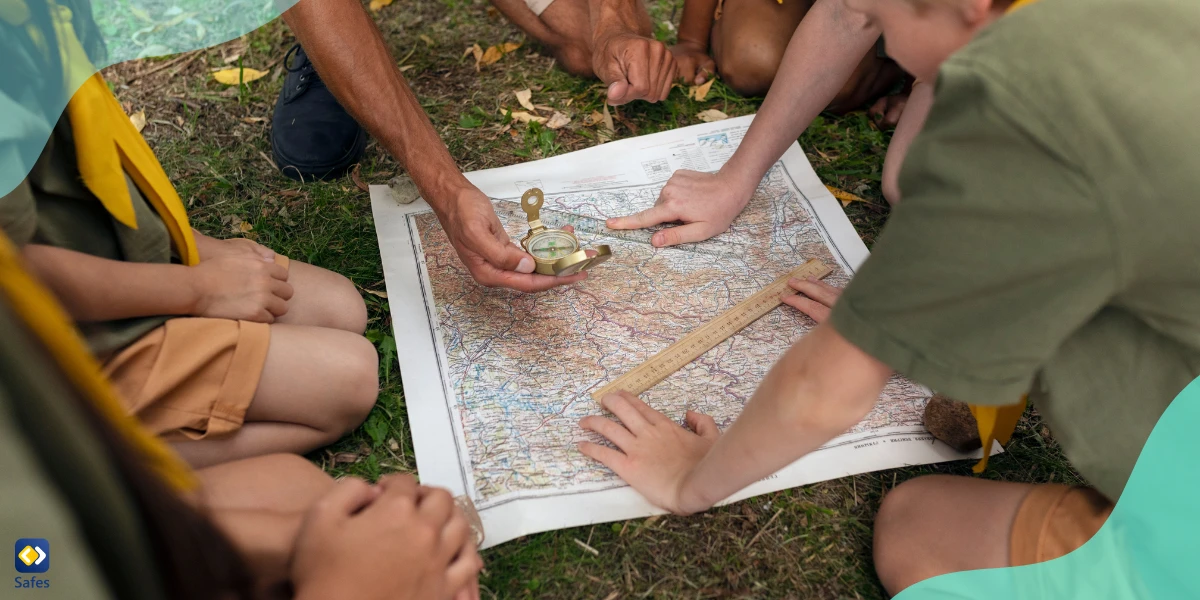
(696, 343)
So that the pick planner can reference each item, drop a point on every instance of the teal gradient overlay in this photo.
(1148, 548)
(33, 93)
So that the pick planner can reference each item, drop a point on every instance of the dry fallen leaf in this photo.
(845, 197)
(253, 120)
(377, 293)
(521, 116)
(424, 38)
(245, 227)
(406, 67)
(608, 120)
(346, 458)
(491, 55)
(510, 46)
(523, 97)
(236, 76)
(378, 4)
(700, 92)
(712, 114)
(139, 120)
(594, 119)
(358, 180)
(558, 121)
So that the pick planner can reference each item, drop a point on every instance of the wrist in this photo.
(741, 180)
(690, 43)
(688, 500)
(190, 281)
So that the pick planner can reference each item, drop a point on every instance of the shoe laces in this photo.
(305, 66)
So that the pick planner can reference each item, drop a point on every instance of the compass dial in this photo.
(552, 245)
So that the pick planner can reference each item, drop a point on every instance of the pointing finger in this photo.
(816, 289)
(654, 215)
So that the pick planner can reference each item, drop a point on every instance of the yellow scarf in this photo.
(997, 423)
(107, 146)
(46, 320)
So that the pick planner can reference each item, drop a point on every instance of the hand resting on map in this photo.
(656, 456)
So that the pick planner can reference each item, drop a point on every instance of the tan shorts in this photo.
(193, 377)
(1053, 520)
(538, 6)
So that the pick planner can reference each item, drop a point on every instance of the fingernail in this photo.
(525, 266)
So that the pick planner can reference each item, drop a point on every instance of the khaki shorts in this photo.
(193, 377)
(1053, 520)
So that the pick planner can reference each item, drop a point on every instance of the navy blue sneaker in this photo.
(312, 136)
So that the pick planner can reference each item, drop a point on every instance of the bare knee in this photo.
(748, 66)
(896, 555)
(357, 387)
(349, 311)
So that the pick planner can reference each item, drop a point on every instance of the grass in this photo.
(809, 542)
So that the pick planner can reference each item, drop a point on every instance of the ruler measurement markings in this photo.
(709, 335)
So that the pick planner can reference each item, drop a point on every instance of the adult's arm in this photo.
(354, 62)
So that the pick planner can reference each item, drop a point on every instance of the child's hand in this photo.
(816, 298)
(241, 286)
(653, 454)
(705, 202)
(393, 541)
(693, 63)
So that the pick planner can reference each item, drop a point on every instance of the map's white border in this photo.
(440, 447)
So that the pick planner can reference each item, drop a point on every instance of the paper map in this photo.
(496, 381)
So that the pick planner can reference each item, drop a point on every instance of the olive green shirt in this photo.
(1049, 237)
(53, 207)
(57, 482)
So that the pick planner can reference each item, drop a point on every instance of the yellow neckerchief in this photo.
(46, 320)
(107, 146)
(998, 422)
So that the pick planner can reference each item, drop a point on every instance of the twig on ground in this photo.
(764, 529)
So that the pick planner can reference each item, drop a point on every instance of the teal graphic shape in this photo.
(33, 91)
(1148, 547)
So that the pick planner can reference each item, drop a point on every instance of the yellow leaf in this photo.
(608, 120)
(523, 97)
(491, 55)
(710, 115)
(845, 197)
(245, 227)
(595, 118)
(424, 38)
(378, 4)
(510, 46)
(139, 120)
(700, 92)
(558, 121)
(236, 76)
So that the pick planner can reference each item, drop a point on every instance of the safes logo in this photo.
(32, 555)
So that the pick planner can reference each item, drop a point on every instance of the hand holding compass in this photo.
(556, 251)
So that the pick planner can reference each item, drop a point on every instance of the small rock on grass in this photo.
(403, 189)
(952, 422)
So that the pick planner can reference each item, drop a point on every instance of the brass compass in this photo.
(556, 251)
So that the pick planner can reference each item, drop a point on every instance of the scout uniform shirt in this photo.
(1047, 242)
(53, 207)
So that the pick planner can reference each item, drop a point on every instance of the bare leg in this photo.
(749, 40)
(912, 120)
(317, 385)
(323, 299)
(259, 503)
(941, 524)
(564, 27)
